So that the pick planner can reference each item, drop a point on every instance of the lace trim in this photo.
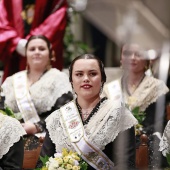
(165, 140)
(10, 133)
(52, 85)
(103, 127)
(148, 92)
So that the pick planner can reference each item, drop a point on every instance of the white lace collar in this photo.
(103, 127)
(10, 133)
(149, 90)
(44, 92)
(165, 140)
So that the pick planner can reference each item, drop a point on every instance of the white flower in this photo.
(52, 164)
(58, 155)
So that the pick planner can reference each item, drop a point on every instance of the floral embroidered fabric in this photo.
(44, 93)
(10, 133)
(165, 140)
(102, 128)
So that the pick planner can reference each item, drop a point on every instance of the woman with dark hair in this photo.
(37, 91)
(21, 19)
(98, 122)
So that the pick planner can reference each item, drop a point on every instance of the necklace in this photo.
(132, 88)
(86, 118)
(31, 83)
(86, 113)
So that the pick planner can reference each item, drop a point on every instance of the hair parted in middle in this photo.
(88, 56)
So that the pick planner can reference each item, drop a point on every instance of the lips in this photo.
(86, 86)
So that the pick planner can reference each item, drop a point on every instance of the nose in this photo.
(133, 56)
(86, 78)
(36, 50)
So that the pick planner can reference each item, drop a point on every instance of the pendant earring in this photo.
(101, 90)
(74, 94)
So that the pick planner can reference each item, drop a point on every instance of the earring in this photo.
(101, 89)
(148, 71)
(74, 94)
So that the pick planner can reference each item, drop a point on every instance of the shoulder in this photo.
(57, 72)
(155, 83)
(11, 132)
(13, 124)
(52, 116)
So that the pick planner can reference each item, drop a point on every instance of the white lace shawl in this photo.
(149, 90)
(103, 127)
(44, 92)
(165, 140)
(10, 133)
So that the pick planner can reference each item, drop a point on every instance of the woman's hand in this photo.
(30, 128)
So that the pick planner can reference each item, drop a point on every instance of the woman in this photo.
(39, 90)
(23, 18)
(101, 122)
(11, 143)
(137, 90)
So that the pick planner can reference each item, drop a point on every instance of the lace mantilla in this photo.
(165, 140)
(10, 133)
(149, 90)
(102, 128)
(52, 85)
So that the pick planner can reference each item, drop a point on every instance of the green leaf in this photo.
(9, 111)
(44, 159)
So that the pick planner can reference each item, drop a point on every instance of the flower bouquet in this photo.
(67, 160)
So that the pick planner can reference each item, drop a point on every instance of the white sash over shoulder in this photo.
(90, 153)
(23, 98)
(67, 131)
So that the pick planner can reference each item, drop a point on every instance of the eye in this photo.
(42, 48)
(79, 74)
(93, 74)
(31, 49)
(127, 53)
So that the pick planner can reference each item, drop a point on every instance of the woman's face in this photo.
(133, 58)
(86, 78)
(37, 53)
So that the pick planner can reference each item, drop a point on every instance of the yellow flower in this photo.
(44, 168)
(64, 152)
(59, 160)
(66, 159)
(69, 166)
(76, 167)
(131, 100)
(71, 161)
(75, 156)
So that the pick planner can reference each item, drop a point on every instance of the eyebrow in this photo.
(82, 70)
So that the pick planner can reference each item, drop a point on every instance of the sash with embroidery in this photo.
(23, 98)
(75, 130)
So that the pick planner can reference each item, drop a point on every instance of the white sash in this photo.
(90, 153)
(113, 90)
(23, 98)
